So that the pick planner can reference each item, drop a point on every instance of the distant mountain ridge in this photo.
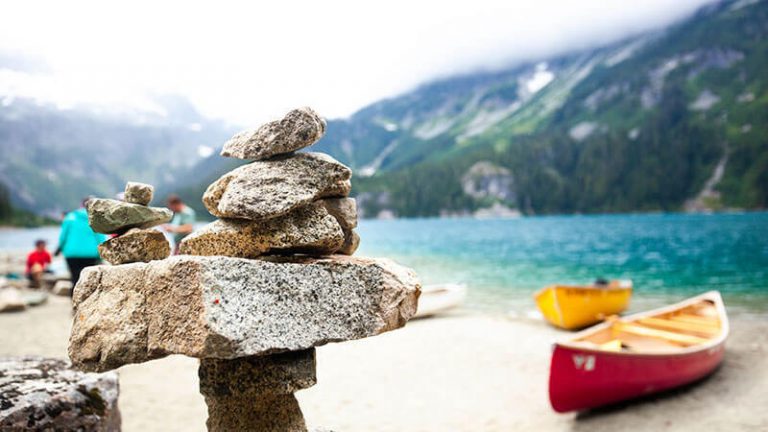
(52, 157)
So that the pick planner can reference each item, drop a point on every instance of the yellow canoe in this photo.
(575, 307)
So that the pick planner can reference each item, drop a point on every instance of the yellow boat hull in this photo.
(575, 307)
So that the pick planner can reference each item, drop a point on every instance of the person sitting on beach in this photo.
(37, 264)
(182, 223)
(79, 243)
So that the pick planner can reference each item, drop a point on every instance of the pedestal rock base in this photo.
(277, 412)
(256, 393)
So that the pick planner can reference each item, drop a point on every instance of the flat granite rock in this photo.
(308, 229)
(138, 193)
(271, 188)
(283, 373)
(110, 216)
(46, 394)
(136, 245)
(298, 129)
(222, 307)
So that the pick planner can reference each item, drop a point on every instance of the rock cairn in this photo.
(130, 220)
(254, 292)
(47, 395)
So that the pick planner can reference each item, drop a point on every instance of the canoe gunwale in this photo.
(713, 296)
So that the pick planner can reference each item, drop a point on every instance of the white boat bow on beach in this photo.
(439, 298)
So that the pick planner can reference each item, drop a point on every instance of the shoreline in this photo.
(731, 211)
(465, 371)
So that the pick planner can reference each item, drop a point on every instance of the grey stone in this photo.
(111, 326)
(270, 413)
(34, 297)
(222, 307)
(272, 188)
(136, 245)
(46, 394)
(283, 373)
(110, 216)
(298, 129)
(351, 242)
(344, 210)
(340, 189)
(11, 300)
(138, 193)
(62, 288)
(308, 229)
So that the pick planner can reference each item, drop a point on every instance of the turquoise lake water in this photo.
(502, 262)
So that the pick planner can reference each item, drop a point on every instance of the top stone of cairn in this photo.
(138, 193)
(298, 129)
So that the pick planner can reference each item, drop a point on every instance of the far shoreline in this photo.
(573, 215)
(732, 211)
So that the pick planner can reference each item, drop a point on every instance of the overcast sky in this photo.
(250, 61)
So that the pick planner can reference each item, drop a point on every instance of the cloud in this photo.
(250, 61)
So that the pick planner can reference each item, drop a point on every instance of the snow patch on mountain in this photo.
(434, 128)
(540, 78)
(582, 131)
(704, 101)
(485, 119)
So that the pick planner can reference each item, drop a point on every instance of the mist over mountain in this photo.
(671, 120)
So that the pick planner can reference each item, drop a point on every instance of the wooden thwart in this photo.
(706, 329)
(696, 319)
(640, 330)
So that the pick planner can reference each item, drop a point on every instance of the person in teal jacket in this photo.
(79, 243)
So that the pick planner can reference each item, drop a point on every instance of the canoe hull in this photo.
(582, 379)
(573, 308)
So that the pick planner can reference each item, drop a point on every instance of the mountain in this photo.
(10, 216)
(52, 157)
(671, 120)
(666, 121)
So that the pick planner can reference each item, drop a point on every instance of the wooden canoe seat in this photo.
(640, 330)
(668, 324)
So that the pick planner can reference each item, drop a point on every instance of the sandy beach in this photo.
(463, 372)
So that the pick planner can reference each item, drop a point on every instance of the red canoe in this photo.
(638, 355)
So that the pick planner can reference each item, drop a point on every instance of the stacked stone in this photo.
(271, 280)
(130, 220)
(283, 202)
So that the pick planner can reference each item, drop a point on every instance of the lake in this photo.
(502, 262)
(668, 256)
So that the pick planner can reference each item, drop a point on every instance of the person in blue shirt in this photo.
(79, 243)
(182, 223)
